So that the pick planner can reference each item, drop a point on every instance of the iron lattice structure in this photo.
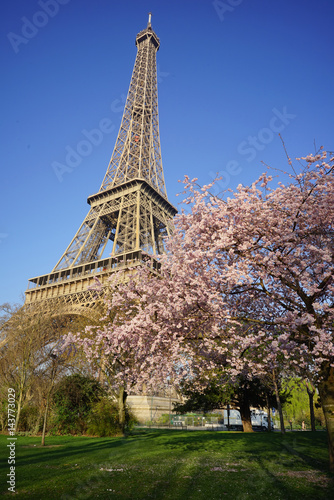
(131, 212)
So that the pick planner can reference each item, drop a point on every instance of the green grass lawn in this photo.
(174, 465)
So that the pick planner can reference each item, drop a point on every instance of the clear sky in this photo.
(233, 74)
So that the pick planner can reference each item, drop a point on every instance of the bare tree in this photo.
(27, 336)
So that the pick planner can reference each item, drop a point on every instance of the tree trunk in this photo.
(45, 419)
(19, 406)
(228, 417)
(326, 391)
(47, 410)
(52, 381)
(121, 408)
(102, 369)
(245, 414)
(38, 420)
(268, 413)
(311, 391)
(20, 402)
(278, 401)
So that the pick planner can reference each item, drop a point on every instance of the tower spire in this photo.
(137, 151)
(131, 212)
(149, 20)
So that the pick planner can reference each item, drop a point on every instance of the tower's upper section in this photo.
(148, 33)
(137, 152)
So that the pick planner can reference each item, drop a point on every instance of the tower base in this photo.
(150, 408)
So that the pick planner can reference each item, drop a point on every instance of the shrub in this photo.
(28, 418)
(103, 419)
(72, 402)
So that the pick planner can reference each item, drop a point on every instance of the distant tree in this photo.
(301, 406)
(213, 397)
(311, 391)
(243, 395)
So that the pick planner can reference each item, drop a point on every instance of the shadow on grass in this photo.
(252, 466)
(175, 465)
(68, 450)
(311, 447)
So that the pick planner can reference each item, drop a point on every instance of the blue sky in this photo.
(233, 74)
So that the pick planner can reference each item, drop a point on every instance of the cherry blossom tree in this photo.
(125, 359)
(266, 255)
(247, 283)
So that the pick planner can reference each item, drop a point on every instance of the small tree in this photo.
(54, 365)
(26, 336)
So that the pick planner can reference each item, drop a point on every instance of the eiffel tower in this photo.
(131, 210)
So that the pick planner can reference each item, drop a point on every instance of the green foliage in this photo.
(28, 418)
(253, 392)
(80, 405)
(217, 396)
(164, 419)
(213, 397)
(104, 421)
(72, 402)
(297, 408)
(298, 405)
